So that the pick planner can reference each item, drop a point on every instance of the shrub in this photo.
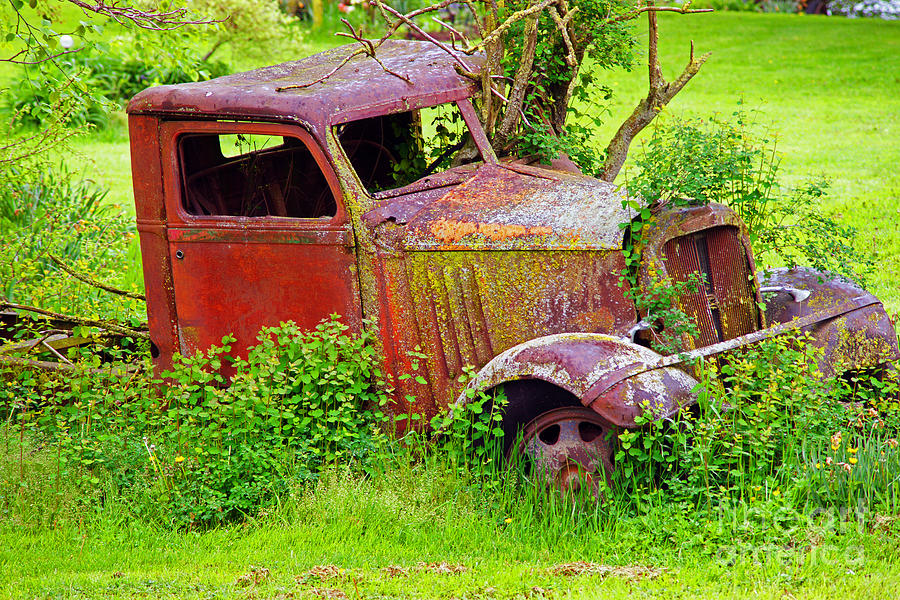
(46, 211)
(201, 452)
(100, 80)
(696, 161)
(762, 429)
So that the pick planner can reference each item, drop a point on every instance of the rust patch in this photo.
(449, 231)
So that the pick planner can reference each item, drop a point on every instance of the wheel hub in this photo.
(568, 449)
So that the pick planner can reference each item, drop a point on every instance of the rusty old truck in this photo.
(301, 190)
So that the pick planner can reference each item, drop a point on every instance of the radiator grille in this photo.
(724, 308)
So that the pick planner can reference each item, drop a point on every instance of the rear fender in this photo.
(861, 339)
(594, 369)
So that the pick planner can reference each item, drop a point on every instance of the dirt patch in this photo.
(631, 572)
(254, 576)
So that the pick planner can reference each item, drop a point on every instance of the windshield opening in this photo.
(389, 152)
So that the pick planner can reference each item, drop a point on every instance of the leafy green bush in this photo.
(100, 80)
(46, 211)
(762, 429)
(197, 452)
(696, 161)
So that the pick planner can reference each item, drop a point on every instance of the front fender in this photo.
(595, 369)
(860, 339)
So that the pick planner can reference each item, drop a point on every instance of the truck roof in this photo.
(359, 89)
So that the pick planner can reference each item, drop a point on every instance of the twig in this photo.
(408, 21)
(453, 30)
(300, 86)
(55, 352)
(93, 282)
(367, 47)
(17, 361)
(127, 331)
(12, 59)
(145, 19)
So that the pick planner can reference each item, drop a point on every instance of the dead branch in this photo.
(367, 47)
(457, 33)
(145, 19)
(108, 325)
(16, 361)
(407, 20)
(93, 282)
(649, 7)
(659, 95)
(14, 58)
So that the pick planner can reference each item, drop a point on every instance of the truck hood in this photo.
(506, 207)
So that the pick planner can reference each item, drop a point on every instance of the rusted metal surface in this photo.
(863, 338)
(508, 267)
(500, 208)
(568, 448)
(360, 89)
(710, 242)
(464, 308)
(638, 369)
(578, 363)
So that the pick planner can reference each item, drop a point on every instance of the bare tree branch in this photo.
(59, 367)
(659, 95)
(93, 282)
(145, 19)
(367, 47)
(14, 58)
(115, 327)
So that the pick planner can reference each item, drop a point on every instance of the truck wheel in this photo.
(568, 449)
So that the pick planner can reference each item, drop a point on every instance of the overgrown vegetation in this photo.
(773, 469)
(691, 162)
(100, 80)
(192, 451)
(47, 212)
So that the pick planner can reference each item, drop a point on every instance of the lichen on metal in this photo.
(512, 268)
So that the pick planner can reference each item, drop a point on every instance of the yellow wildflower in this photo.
(818, 465)
(179, 459)
(776, 493)
(507, 520)
(836, 440)
(853, 460)
(852, 450)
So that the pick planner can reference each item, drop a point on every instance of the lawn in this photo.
(397, 537)
(829, 87)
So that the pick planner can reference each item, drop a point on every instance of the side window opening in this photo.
(392, 151)
(252, 175)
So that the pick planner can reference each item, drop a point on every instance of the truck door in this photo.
(257, 232)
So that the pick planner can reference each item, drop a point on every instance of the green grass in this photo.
(410, 518)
